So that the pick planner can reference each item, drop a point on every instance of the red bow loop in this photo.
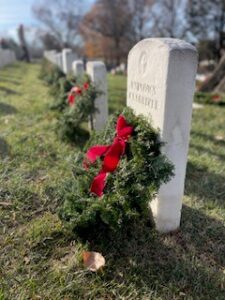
(111, 155)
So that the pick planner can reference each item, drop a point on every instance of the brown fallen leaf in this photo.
(219, 138)
(26, 260)
(93, 261)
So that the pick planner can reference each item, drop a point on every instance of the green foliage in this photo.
(60, 90)
(128, 190)
(71, 120)
(50, 73)
(209, 98)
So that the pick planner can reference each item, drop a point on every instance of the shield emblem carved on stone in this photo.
(142, 64)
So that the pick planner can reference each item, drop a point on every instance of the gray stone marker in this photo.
(67, 59)
(97, 72)
(161, 81)
(59, 60)
(7, 56)
(78, 68)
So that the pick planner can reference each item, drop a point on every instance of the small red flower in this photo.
(86, 86)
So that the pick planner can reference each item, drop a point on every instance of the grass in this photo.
(39, 259)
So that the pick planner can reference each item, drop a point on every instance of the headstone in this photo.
(78, 68)
(161, 81)
(51, 56)
(59, 60)
(97, 72)
(67, 57)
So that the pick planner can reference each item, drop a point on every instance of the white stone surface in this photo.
(97, 72)
(59, 60)
(161, 82)
(78, 68)
(7, 56)
(67, 57)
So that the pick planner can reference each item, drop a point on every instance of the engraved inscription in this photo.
(143, 93)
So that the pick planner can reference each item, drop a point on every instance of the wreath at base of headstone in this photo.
(59, 90)
(209, 98)
(79, 107)
(50, 73)
(112, 184)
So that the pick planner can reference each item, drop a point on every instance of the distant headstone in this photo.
(59, 60)
(97, 72)
(161, 81)
(67, 59)
(78, 68)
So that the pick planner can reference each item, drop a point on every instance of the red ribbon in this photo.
(76, 91)
(110, 155)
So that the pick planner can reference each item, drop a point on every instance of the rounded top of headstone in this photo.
(169, 44)
(78, 62)
(96, 64)
(67, 50)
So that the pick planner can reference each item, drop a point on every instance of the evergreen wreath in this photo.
(209, 98)
(93, 203)
(50, 73)
(80, 107)
(60, 90)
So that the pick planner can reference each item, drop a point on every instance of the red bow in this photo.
(76, 91)
(110, 155)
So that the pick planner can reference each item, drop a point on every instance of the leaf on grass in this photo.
(93, 261)
(219, 138)
(26, 260)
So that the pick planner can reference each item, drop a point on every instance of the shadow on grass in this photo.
(8, 91)
(9, 80)
(4, 149)
(205, 184)
(6, 109)
(153, 262)
(187, 263)
(207, 137)
(204, 150)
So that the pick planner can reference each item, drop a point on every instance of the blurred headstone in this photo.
(97, 72)
(78, 68)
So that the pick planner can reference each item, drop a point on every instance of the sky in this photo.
(16, 12)
(13, 13)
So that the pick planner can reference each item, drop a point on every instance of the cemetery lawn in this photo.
(39, 259)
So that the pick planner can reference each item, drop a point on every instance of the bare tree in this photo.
(111, 19)
(61, 19)
(170, 18)
(23, 44)
(207, 20)
(141, 18)
(120, 23)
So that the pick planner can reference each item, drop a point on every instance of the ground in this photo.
(40, 259)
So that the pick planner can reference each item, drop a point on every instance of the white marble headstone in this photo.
(161, 81)
(78, 68)
(67, 58)
(97, 72)
(59, 60)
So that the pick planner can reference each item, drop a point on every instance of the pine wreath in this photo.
(127, 190)
(79, 107)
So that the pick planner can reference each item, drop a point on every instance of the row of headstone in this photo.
(97, 72)
(7, 57)
(63, 59)
(160, 86)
